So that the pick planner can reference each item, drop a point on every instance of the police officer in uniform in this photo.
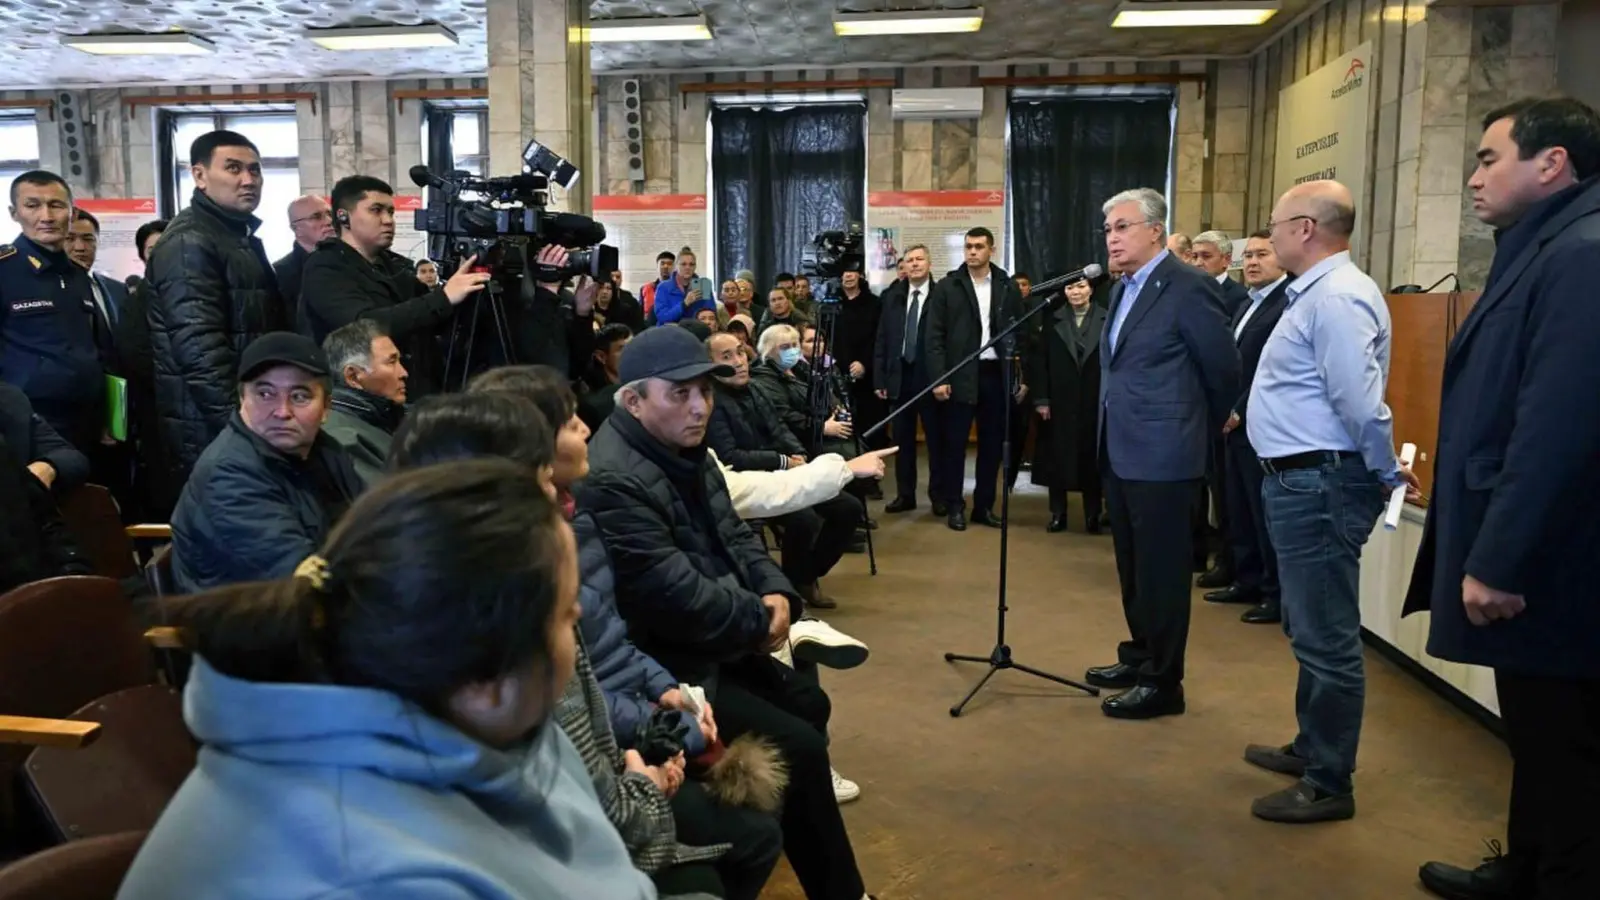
(53, 341)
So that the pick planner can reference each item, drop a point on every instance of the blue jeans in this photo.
(1319, 519)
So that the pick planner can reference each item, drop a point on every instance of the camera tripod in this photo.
(999, 657)
(492, 297)
(823, 387)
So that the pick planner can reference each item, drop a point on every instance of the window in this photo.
(19, 152)
(469, 133)
(276, 135)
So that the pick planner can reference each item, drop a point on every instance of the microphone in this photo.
(422, 176)
(1092, 272)
(1419, 289)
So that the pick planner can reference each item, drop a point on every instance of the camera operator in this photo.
(854, 336)
(354, 275)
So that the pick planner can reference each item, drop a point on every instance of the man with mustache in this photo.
(354, 275)
(212, 293)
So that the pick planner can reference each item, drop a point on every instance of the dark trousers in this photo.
(1150, 533)
(1255, 564)
(815, 538)
(1092, 501)
(738, 874)
(1553, 730)
(759, 695)
(904, 427)
(866, 411)
(1213, 493)
(990, 412)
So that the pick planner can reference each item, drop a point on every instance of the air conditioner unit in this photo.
(937, 103)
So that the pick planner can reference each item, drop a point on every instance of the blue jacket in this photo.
(52, 339)
(1515, 474)
(249, 513)
(629, 678)
(340, 793)
(669, 300)
(1168, 386)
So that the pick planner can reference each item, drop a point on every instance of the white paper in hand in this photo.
(1397, 499)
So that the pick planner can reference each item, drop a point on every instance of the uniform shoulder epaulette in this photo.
(6, 250)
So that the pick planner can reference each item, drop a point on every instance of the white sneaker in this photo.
(844, 790)
(815, 641)
(783, 655)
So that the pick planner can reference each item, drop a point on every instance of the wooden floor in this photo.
(1033, 793)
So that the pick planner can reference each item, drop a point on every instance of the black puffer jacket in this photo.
(213, 292)
(747, 433)
(690, 573)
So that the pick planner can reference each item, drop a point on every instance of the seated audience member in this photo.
(428, 273)
(780, 311)
(614, 306)
(57, 464)
(599, 385)
(380, 724)
(354, 275)
(630, 683)
(749, 304)
(34, 542)
(743, 327)
(711, 319)
(369, 397)
(700, 594)
(269, 488)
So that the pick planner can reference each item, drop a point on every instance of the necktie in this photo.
(909, 354)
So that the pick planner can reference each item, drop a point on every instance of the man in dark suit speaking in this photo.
(1169, 379)
(1507, 561)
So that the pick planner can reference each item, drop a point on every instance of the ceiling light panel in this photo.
(1198, 14)
(172, 44)
(384, 37)
(931, 21)
(679, 28)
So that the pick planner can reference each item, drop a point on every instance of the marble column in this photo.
(540, 89)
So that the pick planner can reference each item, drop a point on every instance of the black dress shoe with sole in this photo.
(1144, 701)
(957, 520)
(1231, 594)
(1262, 614)
(1275, 759)
(941, 509)
(1116, 675)
(1214, 578)
(984, 517)
(900, 505)
(1058, 524)
(1495, 879)
(1302, 804)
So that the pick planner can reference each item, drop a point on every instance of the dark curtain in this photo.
(440, 151)
(1068, 156)
(781, 176)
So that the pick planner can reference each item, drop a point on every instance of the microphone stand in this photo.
(999, 657)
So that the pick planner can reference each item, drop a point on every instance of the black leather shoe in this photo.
(900, 505)
(1231, 594)
(1495, 879)
(941, 509)
(957, 519)
(1262, 614)
(1275, 759)
(1058, 524)
(1144, 701)
(1214, 577)
(1116, 675)
(1302, 804)
(1093, 526)
(984, 517)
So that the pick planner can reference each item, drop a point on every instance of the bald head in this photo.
(1311, 222)
(311, 220)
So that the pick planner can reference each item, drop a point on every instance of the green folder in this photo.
(117, 407)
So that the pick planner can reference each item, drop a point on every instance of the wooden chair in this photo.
(122, 780)
(81, 870)
(64, 642)
(93, 518)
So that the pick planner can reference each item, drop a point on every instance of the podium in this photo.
(1422, 328)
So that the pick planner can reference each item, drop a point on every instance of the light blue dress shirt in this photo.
(1323, 371)
(1131, 286)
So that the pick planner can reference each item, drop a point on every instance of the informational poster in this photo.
(408, 241)
(1324, 123)
(898, 220)
(641, 226)
(119, 221)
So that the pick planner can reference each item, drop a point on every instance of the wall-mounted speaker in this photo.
(72, 129)
(633, 115)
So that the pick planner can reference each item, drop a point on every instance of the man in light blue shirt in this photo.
(1326, 442)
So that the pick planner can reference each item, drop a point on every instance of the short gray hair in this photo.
(1222, 242)
(639, 386)
(775, 335)
(351, 345)
(1152, 205)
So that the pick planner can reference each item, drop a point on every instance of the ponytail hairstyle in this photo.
(448, 427)
(435, 579)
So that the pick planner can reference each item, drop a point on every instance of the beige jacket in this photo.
(762, 495)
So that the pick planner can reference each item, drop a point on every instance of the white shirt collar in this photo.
(1223, 277)
(1266, 290)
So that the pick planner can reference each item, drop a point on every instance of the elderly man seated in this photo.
(699, 593)
(267, 490)
(369, 398)
(746, 432)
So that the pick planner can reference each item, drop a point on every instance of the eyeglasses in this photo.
(318, 216)
(1272, 225)
(1121, 226)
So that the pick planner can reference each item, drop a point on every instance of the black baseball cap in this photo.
(667, 352)
(282, 348)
